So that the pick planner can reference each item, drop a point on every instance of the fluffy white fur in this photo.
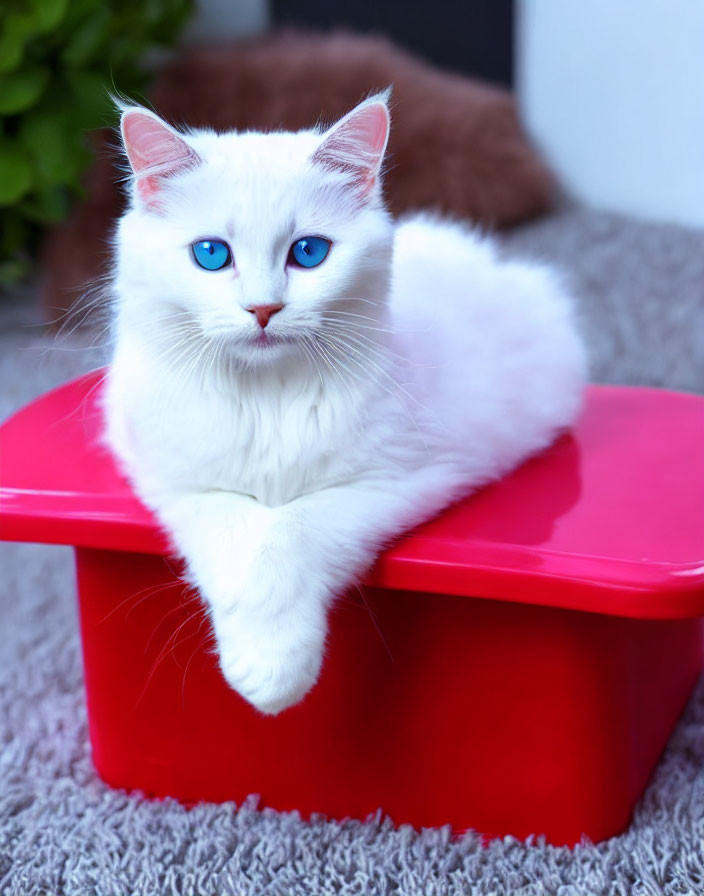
(410, 367)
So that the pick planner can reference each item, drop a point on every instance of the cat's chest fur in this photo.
(273, 441)
(274, 448)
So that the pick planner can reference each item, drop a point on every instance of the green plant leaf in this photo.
(46, 207)
(21, 90)
(15, 173)
(88, 39)
(91, 98)
(13, 269)
(48, 13)
(59, 56)
(50, 139)
(15, 31)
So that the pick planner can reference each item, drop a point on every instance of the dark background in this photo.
(473, 37)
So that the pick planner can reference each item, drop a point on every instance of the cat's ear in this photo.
(356, 144)
(155, 152)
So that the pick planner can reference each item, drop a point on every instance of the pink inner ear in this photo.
(356, 144)
(151, 145)
(371, 125)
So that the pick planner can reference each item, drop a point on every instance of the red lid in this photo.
(610, 519)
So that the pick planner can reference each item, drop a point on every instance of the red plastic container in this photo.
(515, 666)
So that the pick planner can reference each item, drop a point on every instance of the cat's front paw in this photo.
(268, 681)
(268, 614)
(271, 671)
(271, 661)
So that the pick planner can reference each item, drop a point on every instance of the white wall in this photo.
(612, 91)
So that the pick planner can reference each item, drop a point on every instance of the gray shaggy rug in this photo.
(640, 289)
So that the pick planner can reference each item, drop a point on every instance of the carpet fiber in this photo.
(640, 289)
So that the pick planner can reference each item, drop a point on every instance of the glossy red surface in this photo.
(465, 686)
(615, 509)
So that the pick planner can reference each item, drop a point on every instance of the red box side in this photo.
(505, 718)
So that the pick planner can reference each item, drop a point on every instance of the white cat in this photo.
(297, 378)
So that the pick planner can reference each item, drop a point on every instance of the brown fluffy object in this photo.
(456, 144)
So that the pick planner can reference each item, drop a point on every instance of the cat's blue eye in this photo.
(211, 255)
(309, 252)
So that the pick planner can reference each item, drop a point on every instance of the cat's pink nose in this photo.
(263, 313)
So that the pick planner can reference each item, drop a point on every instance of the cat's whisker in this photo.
(96, 296)
(330, 361)
(356, 358)
(174, 355)
(81, 407)
(215, 368)
(74, 308)
(196, 359)
(178, 607)
(374, 621)
(199, 646)
(353, 299)
(205, 364)
(362, 340)
(344, 358)
(352, 314)
(351, 355)
(305, 346)
(355, 329)
(394, 331)
(169, 647)
(43, 350)
(380, 350)
(340, 369)
(355, 325)
(365, 352)
(138, 597)
(186, 335)
(349, 314)
(367, 348)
